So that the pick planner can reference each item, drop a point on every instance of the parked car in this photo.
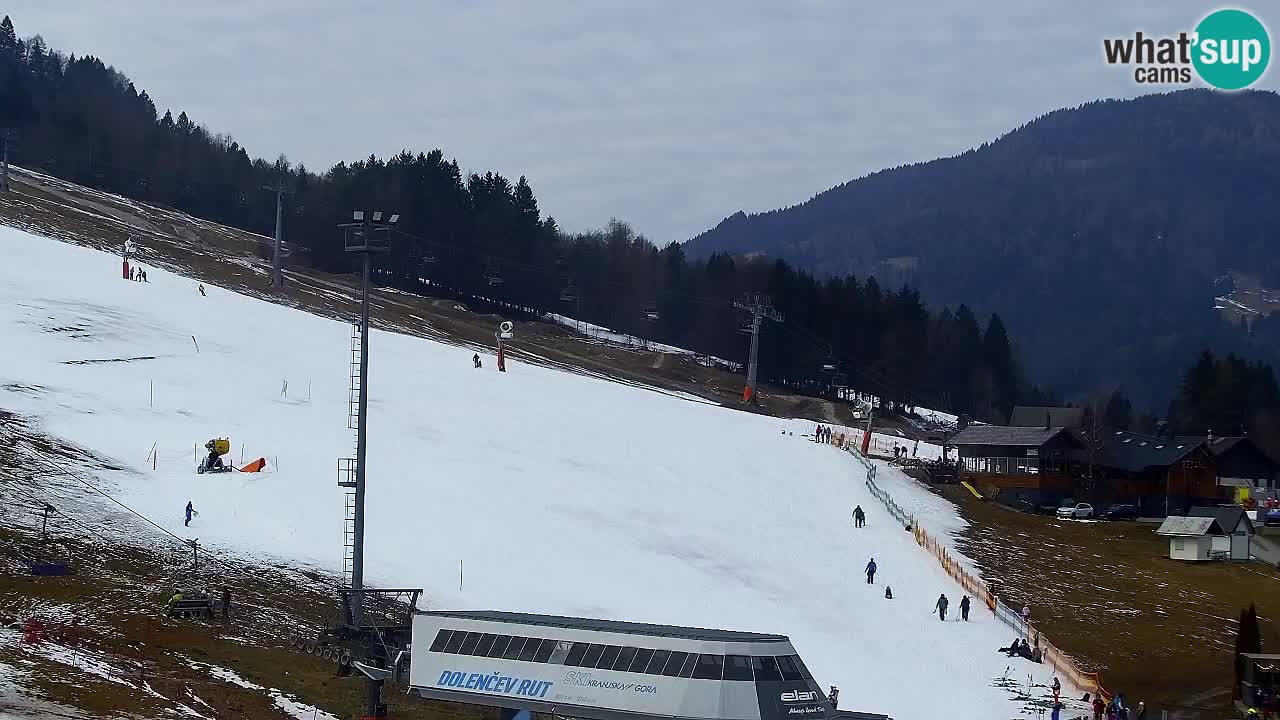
(1079, 511)
(1272, 517)
(1121, 512)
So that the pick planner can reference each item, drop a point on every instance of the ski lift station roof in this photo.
(610, 670)
(610, 626)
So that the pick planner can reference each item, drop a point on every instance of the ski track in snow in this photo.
(561, 493)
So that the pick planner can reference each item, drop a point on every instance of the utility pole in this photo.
(5, 134)
(277, 280)
(761, 308)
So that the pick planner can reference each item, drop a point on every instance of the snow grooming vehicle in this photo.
(217, 447)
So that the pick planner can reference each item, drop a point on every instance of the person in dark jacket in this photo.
(888, 593)
(190, 511)
(941, 607)
(871, 572)
(475, 360)
(1099, 707)
(859, 517)
(202, 290)
(964, 608)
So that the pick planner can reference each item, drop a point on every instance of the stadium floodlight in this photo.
(358, 216)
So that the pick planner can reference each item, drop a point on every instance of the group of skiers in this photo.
(138, 274)
(1019, 647)
(1117, 709)
(900, 451)
(822, 434)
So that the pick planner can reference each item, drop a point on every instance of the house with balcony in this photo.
(1018, 465)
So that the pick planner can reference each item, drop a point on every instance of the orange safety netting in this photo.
(1052, 656)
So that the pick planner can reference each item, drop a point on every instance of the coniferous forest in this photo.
(80, 119)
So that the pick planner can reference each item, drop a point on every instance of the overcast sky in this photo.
(670, 115)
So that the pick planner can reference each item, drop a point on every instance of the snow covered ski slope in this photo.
(535, 490)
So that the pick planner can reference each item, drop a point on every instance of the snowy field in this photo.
(550, 492)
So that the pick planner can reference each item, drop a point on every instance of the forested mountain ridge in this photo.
(1096, 232)
(484, 238)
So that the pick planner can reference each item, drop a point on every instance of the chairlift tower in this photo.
(761, 309)
(368, 233)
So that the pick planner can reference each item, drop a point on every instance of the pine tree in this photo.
(1248, 640)
(1119, 411)
(8, 40)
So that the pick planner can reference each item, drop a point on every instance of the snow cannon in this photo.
(217, 447)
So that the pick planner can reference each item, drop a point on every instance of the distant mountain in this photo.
(1096, 232)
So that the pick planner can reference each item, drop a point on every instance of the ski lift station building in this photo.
(610, 670)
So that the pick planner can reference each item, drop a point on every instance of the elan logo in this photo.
(799, 696)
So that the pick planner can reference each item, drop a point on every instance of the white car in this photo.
(1078, 511)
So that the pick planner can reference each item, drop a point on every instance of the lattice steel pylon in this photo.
(761, 309)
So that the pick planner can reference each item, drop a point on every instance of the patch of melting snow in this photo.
(299, 710)
(225, 675)
(80, 660)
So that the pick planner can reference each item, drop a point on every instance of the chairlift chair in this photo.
(746, 328)
(569, 294)
(651, 312)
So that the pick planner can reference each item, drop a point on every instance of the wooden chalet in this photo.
(1018, 465)
(1240, 462)
(1160, 475)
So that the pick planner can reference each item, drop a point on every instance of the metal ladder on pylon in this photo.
(347, 467)
(349, 539)
(353, 397)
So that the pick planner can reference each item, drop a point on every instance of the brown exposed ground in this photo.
(1159, 630)
(107, 649)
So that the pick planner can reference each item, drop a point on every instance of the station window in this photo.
(675, 663)
(513, 650)
(500, 644)
(486, 644)
(710, 667)
(658, 662)
(625, 656)
(545, 650)
(455, 641)
(690, 663)
(530, 649)
(764, 667)
(576, 653)
(608, 657)
(804, 671)
(469, 645)
(643, 655)
(561, 652)
(593, 655)
(442, 639)
(790, 671)
(737, 667)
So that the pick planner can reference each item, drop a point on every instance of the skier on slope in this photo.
(871, 572)
(859, 517)
(941, 607)
(964, 608)
(190, 511)
(202, 290)
(475, 360)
